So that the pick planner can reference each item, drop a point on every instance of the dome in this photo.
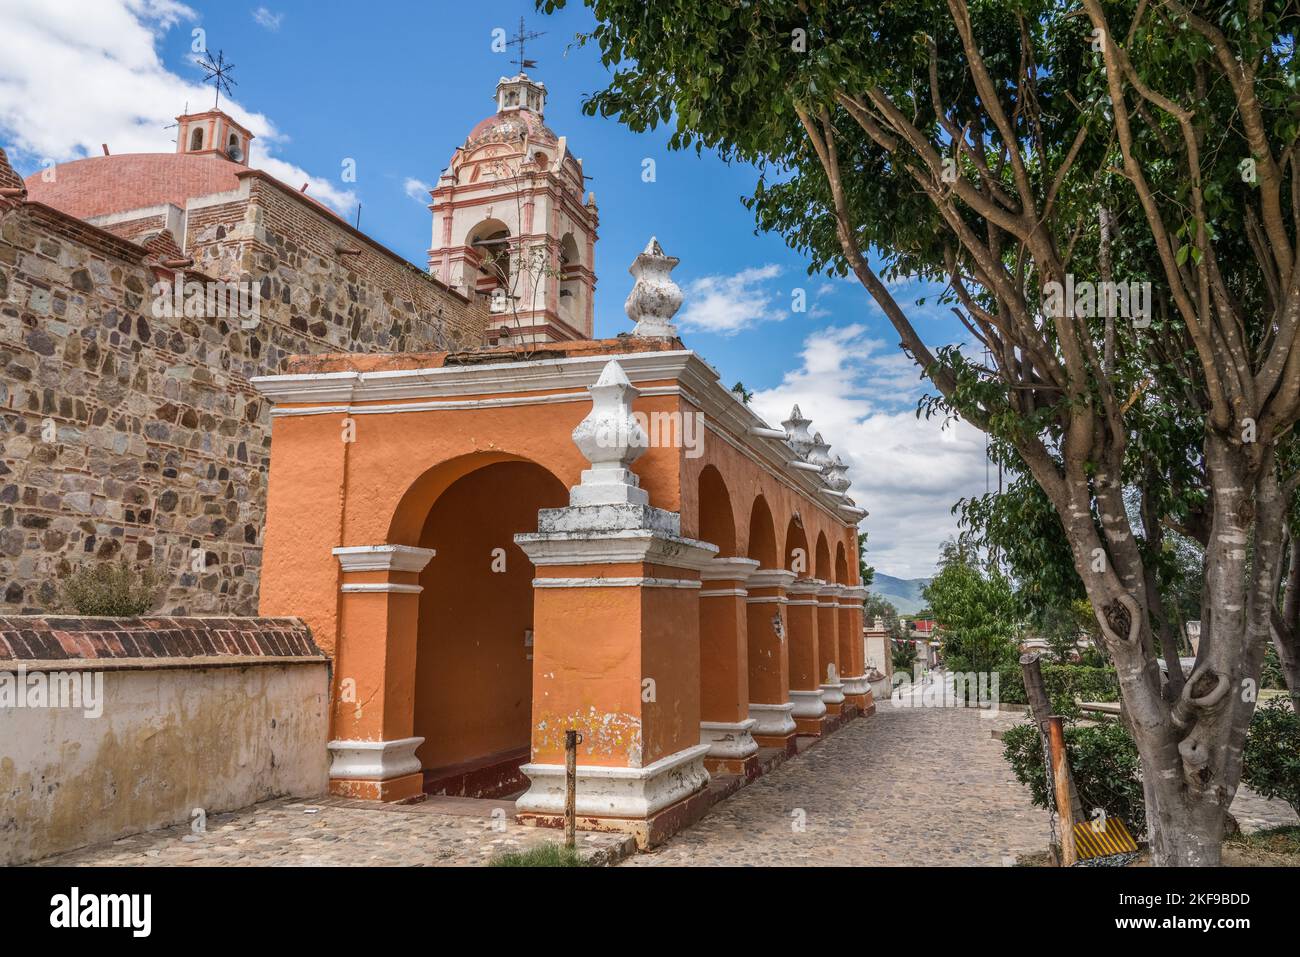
(507, 126)
(100, 185)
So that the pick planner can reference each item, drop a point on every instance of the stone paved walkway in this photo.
(438, 832)
(906, 786)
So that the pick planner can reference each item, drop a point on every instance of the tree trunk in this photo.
(1191, 747)
(1286, 626)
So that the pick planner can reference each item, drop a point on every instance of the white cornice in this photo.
(383, 558)
(725, 415)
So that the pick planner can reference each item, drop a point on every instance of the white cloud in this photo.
(907, 472)
(417, 189)
(265, 18)
(79, 73)
(727, 304)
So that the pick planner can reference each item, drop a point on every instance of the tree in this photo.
(1024, 154)
(976, 612)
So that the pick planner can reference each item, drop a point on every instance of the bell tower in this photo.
(512, 221)
(213, 133)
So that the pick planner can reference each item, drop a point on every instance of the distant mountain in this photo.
(903, 593)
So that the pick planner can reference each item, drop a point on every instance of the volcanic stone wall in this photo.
(123, 433)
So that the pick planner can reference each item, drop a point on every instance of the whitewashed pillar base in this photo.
(729, 740)
(807, 704)
(775, 720)
(832, 692)
(617, 792)
(373, 760)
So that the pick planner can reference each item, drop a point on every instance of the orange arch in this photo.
(408, 518)
(762, 535)
(716, 522)
(796, 553)
(841, 565)
(823, 558)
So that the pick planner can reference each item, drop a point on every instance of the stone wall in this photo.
(127, 725)
(126, 434)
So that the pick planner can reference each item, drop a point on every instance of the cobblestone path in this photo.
(905, 786)
(334, 832)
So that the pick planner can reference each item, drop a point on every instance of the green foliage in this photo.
(543, 855)
(902, 654)
(111, 590)
(1104, 762)
(977, 614)
(1272, 676)
(1272, 761)
(1063, 683)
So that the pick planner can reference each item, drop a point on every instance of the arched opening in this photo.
(196, 139)
(797, 557)
(716, 522)
(823, 564)
(490, 241)
(762, 535)
(473, 682)
(852, 650)
(572, 307)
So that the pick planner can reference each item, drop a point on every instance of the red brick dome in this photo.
(100, 185)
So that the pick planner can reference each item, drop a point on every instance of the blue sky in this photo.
(396, 86)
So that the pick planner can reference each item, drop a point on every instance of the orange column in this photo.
(616, 633)
(372, 754)
(805, 693)
(616, 657)
(831, 659)
(725, 724)
(769, 661)
(857, 688)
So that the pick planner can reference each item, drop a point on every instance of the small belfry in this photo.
(512, 220)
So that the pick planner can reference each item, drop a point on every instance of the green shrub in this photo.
(1272, 676)
(110, 590)
(1272, 760)
(1063, 684)
(1105, 765)
(544, 855)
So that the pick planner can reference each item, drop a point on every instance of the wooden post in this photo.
(1041, 706)
(1061, 780)
(571, 739)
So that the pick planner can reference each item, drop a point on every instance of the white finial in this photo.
(796, 432)
(611, 439)
(837, 475)
(818, 452)
(654, 298)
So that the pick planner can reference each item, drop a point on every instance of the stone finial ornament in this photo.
(837, 475)
(654, 298)
(819, 452)
(611, 439)
(796, 432)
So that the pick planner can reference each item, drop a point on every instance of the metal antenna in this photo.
(518, 40)
(217, 71)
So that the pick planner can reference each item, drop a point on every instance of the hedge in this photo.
(1063, 683)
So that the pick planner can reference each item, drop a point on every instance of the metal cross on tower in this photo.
(518, 40)
(218, 72)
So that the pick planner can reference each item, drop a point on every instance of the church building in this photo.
(499, 529)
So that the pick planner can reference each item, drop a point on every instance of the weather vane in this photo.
(218, 71)
(518, 40)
